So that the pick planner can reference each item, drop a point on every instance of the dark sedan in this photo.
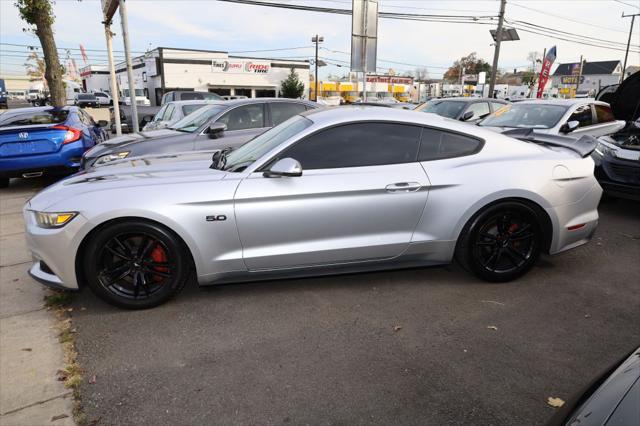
(463, 109)
(86, 100)
(219, 125)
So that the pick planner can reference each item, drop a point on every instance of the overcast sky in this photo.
(234, 27)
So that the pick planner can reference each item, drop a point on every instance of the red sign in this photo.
(546, 69)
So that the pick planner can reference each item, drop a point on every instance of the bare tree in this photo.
(39, 14)
(35, 67)
(421, 74)
(534, 57)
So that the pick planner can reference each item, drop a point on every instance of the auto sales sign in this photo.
(245, 67)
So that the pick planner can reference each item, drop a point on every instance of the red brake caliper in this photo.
(159, 255)
(513, 228)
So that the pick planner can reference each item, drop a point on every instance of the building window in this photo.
(221, 92)
(265, 93)
(144, 76)
(243, 92)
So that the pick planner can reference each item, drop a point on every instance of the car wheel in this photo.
(136, 265)
(4, 182)
(502, 242)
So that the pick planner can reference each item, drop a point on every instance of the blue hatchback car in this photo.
(45, 140)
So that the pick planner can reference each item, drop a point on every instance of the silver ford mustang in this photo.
(339, 190)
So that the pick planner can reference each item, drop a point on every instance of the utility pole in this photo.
(112, 78)
(626, 54)
(461, 80)
(127, 53)
(579, 77)
(316, 39)
(496, 53)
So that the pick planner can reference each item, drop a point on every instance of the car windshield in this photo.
(384, 95)
(138, 92)
(239, 159)
(526, 116)
(27, 118)
(86, 96)
(188, 109)
(450, 109)
(209, 96)
(192, 122)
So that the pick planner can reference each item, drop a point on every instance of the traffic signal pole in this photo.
(496, 53)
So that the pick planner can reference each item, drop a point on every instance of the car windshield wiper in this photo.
(219, 158)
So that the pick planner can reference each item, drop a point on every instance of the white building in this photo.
(95, 78)
(165, 69)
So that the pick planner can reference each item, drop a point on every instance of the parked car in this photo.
(3, 94)
(139, 96)
(387, 98)
(219, 125)
(556, 117)
(617, 156)
(612, 398)
(461, 108)
(171, 112)
(45, 140)
(330, 190)
(145, 115)
(190, 95)
(86, 100)
(104, 99)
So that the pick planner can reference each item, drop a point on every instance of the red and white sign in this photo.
(389, 79)
(546, 69)
(240, 67)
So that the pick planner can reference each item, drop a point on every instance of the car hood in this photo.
(130, 175)
(144, 135)
(625, 101)
(126, 142)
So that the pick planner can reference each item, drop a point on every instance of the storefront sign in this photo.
(389, 79)
(240, 67)
(571, 79)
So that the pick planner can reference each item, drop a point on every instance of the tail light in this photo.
(72, 134)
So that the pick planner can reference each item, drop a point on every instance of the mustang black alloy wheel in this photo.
(502, 242)
(136, 265)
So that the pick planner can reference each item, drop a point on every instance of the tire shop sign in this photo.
(247, 67)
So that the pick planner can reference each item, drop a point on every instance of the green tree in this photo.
(471, 64)
(39, 15)
(292, 87)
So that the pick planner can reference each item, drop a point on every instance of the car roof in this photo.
(469, 99)
(196, 101)
(352, 113)
(563, 102)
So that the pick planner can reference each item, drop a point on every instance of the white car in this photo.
(556, 117)
(171, 112)
(103, 98)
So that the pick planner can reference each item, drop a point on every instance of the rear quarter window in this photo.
(438, 144)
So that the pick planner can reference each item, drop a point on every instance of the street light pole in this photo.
(316, 39)
(496, 53)
(127, 52)
(579, 77)
(626, 54)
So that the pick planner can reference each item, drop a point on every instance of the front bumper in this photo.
(54, 251)
(619, 178)
(576, 222)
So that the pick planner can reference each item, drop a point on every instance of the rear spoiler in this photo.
(584, 146)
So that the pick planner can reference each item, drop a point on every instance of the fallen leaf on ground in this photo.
(83, 309)
(397, 328)
(26, 349)
(92, 380)
(58, 417)
(492, 327)
(555, 402)
(495, 302)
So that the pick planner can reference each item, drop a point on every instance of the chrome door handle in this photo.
(403, 187)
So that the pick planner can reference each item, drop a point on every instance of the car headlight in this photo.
(603, 150)
(53, 220)
(111, 157)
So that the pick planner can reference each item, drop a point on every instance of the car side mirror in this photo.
(569, 126)
(147, 119)
(466, 116)
(286, 167)
(103, 123)
(216, 130)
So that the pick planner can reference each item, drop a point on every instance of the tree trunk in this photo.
(53, 71)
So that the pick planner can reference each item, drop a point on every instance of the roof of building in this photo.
(589, 68)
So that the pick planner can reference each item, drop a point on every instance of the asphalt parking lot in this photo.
(422, 346)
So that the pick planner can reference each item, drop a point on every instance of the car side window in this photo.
(479, 109)
(160, 113)
(582, 115)
(604, 114)
(168, 112)
(438, 144)
(496, 105)
(357, 145)
(86, 118)
(244, 117)
(282, 111)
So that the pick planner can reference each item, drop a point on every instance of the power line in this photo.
(36, 47)
(567, 19)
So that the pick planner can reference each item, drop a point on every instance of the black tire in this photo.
(136, 265)
(501, 242)
(4, 182)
